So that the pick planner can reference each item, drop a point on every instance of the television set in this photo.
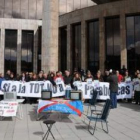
(46, 95)
(76, 95)
(10, 96)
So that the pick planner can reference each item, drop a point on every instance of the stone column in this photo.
(102, 44)
(83, 46)
(19, 51)
(2, 46)
(69, 47)
(50, 35)
(123, 40)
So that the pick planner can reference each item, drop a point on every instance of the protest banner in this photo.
(8, 109)
(34, 88)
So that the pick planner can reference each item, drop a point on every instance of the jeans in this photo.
(67, 94)
(113, 97)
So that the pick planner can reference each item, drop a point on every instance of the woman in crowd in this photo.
(45, 77)
(88, 76)
(34, 77)
(58, 75)
(40, 77)
(127, 78)
(137, 89)
(120, 77)
(30, 76)
(12, 78)
(77, 77)
(99, 76)
(23, 78)
(50, 78)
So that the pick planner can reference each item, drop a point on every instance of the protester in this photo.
(17, 77)
(50, 78)
(45, 77)
(12, 78)
(67, 78)
(106, 75)
(88, 76)
(30, 76)
(58, 75)
(23, 78)
(113, 81)
(34, 77)
(40, 77)
(68, 84)
(127, 77)
(137, 89)
(7, 76)
(27, 77)
(1, 79)
(120, 77)
(99, 76)
(123, 70)
(77, 77)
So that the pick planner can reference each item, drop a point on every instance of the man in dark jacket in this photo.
(113, 80)
(67, 78)
(7, 76)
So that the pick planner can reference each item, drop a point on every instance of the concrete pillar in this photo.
(50, 35)
(35, 51)
(69, 35)
(19, 36)
(2, 46)
(83, 45)
(123, 40)
(102, 43)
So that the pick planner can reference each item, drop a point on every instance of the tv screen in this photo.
(10, 96)
(46, 95)
(75, 95)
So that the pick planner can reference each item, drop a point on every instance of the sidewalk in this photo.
(124, 124)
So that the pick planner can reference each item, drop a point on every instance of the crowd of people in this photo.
(69, 78)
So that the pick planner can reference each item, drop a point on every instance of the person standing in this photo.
(137, 89)
(113, 80)
(7, 76)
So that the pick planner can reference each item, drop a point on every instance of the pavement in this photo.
(123, 122)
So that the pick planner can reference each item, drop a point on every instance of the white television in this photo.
(76, 95)
(46, 95)
(10, 96)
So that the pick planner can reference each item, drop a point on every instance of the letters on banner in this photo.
(34, 88)
(8, 109)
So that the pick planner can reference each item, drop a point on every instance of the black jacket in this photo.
(7, 77)
(68, 80)
(113, 80)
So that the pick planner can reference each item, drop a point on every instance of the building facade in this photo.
(101, 37)
(91, 35)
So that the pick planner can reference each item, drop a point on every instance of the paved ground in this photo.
(124, 124)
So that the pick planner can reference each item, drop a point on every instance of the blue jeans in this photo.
(67, 94)
(113, 97)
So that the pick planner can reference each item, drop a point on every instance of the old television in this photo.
(10, 96)
(76, 95)
(46, 95)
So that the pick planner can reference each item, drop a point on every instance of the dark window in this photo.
(76, 46)
(39, 47)
(11, 50)
(63, 49)
(27, 51)
(112, 27)
(93, 46)
(133, 42)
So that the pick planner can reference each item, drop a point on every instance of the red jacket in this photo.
(120, 78)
